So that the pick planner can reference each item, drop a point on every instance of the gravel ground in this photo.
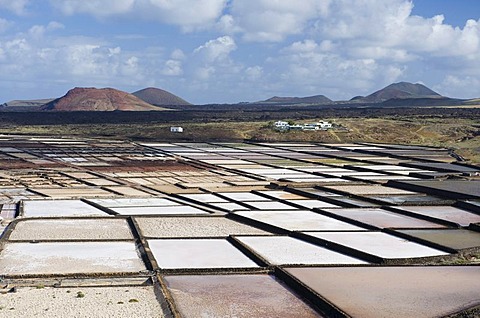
(58, 229)
(68, 302)
(193, 227)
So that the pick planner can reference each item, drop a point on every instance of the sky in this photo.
(229, 51)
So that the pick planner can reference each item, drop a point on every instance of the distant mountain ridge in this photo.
(316, 99)
(98, 99)
(399, 91)
(24, 105)
(160, 97)
(402, 91)
(27, 103)
(402, 94)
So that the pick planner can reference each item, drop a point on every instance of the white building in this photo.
(311, 127)
(324, 125)
(176, 129)
(281, 125)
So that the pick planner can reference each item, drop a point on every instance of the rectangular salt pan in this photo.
(134, 202)
(369, 190)
(180, 209)
(59, 208)
(193, 227)
(381, 218)
(282, 195)
(448, 213)
(284, 250)
(453, 238)
(70, 257)
(242, 196)
(311, 204)
(72, 229)
(269, 205)
(198, 253)
(240, 296)
(204, 197)
(395, 292)
(61, 193)
(379, 244)
(229, 206)
(299, 220)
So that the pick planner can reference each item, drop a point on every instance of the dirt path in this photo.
(419, 135)
(334, 134)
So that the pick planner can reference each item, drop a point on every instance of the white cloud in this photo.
(4, 25)
(301, 46)
(38, 58)
(54, 25)
(216, 50)
(460, 87)
(365, 28)
(272, 21)
(258, 48)
(213, 56)
(172, 68)
(18, 7)
(99, 8)
(130, 68)
(187, 14)
(204, 73)
(254, 73)
(226, 25)
(306, 68)
(382, 53)
(360, 45)
(177, 54)
(364, 18)
(210, 71)
(380, 29)
(174, 65)
(38, 31)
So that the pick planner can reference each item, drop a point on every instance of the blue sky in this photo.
(228, 51)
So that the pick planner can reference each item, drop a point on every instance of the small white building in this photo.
(176, 129)
(281, 125)
(311, 127)
(324, 125)
(296, 127)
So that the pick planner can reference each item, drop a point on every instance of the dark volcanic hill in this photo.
(402, 90)
(93, 99)
(317, 99)
(157, 96)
